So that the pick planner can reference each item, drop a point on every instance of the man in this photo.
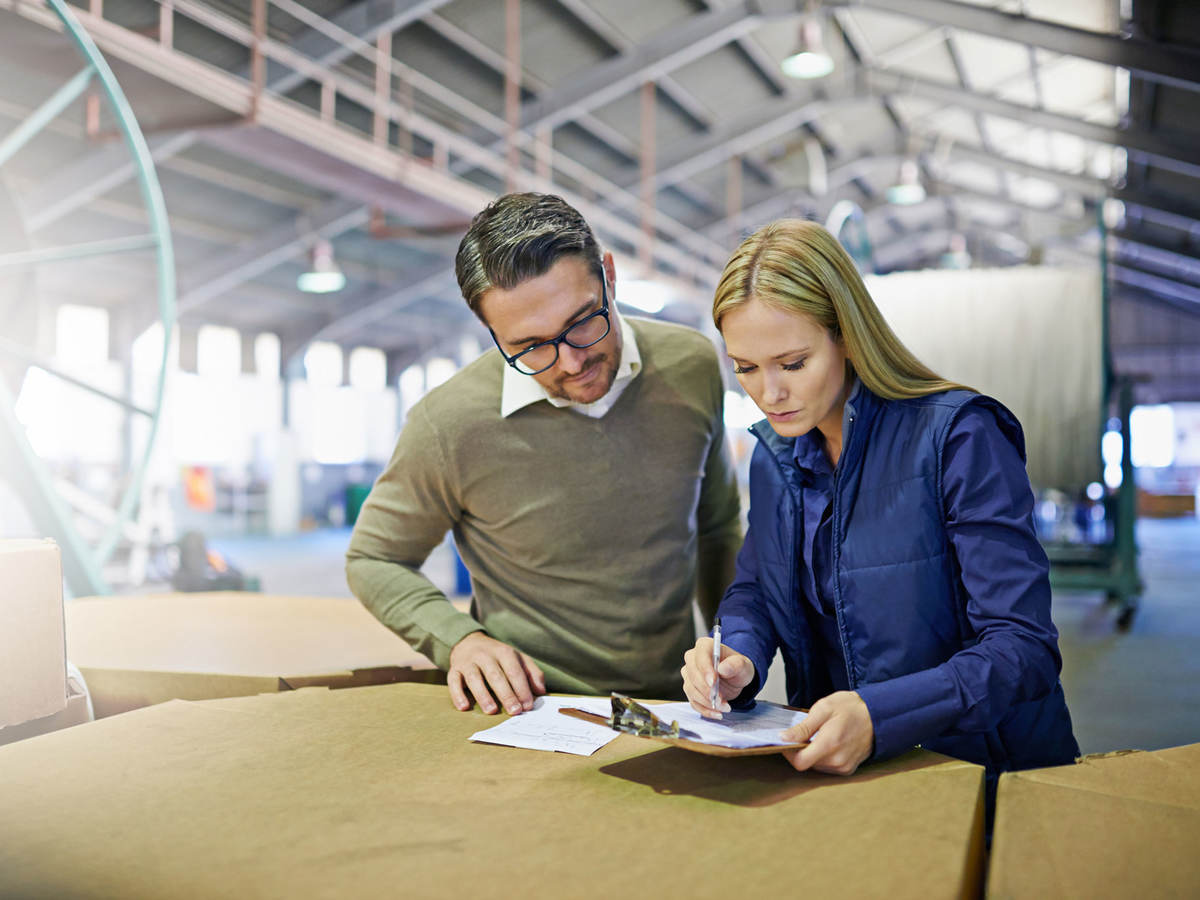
(582, 469)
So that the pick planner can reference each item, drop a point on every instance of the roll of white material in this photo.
(1030, 337)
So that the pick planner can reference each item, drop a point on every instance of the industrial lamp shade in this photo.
(811, 59)
(323, 275)
(908, 188)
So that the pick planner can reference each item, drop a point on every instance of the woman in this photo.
(891, 555)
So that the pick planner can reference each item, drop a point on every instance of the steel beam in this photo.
(781, 115)
(768, 122)
(1165, 288)
(494, 60)
(674, 47)
(1189, 248)
(1085, 185)
(1178, 266)
(1179, 213)
(616, 40)
(770, 204)
(342, 173)
(365, 19)
(378, 304)
(927, 240)
(1168, 63)
(1158, 148)
(91, 176)
(105, 169)
(564, 164)
(225, 270)
(773, 204)
(45, 114)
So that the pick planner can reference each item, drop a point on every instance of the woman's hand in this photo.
(841, 733)
(736, 672)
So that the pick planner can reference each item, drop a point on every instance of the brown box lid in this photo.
(377, 792)
(1122, 824)
(143, 649)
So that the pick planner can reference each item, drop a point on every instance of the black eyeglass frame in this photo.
(562, 338)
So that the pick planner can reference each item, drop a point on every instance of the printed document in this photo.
(542, 728)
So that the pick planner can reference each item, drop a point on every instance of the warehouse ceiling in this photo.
(383, 125)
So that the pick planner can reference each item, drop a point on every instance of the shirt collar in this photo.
(809, 449)
(518, 391)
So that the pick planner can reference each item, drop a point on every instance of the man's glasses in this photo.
(591, 329)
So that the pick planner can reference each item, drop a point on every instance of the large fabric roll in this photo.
(1031, 337)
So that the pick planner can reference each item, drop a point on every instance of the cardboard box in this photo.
(77, 711)
(139, 650)
(377, 792)
(1113, 825)
(33, 665)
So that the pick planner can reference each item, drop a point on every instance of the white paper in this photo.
(545, 728)
(757, 727)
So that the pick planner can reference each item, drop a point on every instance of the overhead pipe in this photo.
(258, 61)
(733, 195)
(649, 155)
(383, 87)
(512, 91)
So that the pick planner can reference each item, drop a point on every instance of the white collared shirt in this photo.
(518, 391)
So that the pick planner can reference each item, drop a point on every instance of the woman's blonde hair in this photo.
(797, 266)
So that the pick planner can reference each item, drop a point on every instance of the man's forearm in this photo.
(408, 603)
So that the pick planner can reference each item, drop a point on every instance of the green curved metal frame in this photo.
(846, 212)
(83, 565)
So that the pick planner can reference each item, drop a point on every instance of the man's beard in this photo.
(561, 388)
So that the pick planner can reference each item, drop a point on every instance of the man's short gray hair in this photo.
(518, 237)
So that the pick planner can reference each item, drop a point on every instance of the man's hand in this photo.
(844, 735)
(736, 672)
(479, 662)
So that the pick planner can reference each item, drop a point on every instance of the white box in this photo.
(33, 663)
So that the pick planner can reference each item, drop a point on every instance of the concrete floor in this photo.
(1138, 689)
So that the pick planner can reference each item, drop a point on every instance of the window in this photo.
(323, 364)
(368, 369)
(81, 335)
(267, 355)
(218, 352)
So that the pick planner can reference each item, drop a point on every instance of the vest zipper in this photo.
(837, 555)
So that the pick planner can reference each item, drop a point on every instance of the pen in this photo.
(716, 685)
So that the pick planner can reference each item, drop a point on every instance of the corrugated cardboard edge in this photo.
(121, 690)
(75, 712)
(975, 869)
(1056, 781)
(172, 810)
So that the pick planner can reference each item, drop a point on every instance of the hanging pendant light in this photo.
(810, 59)
(908, 189)
(324, 276)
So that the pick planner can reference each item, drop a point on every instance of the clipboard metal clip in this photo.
(631, 717)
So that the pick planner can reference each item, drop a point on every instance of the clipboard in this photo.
(684, 743)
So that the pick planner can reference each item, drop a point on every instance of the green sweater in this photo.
(584, 537)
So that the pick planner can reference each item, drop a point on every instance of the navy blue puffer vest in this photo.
(900, 604)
